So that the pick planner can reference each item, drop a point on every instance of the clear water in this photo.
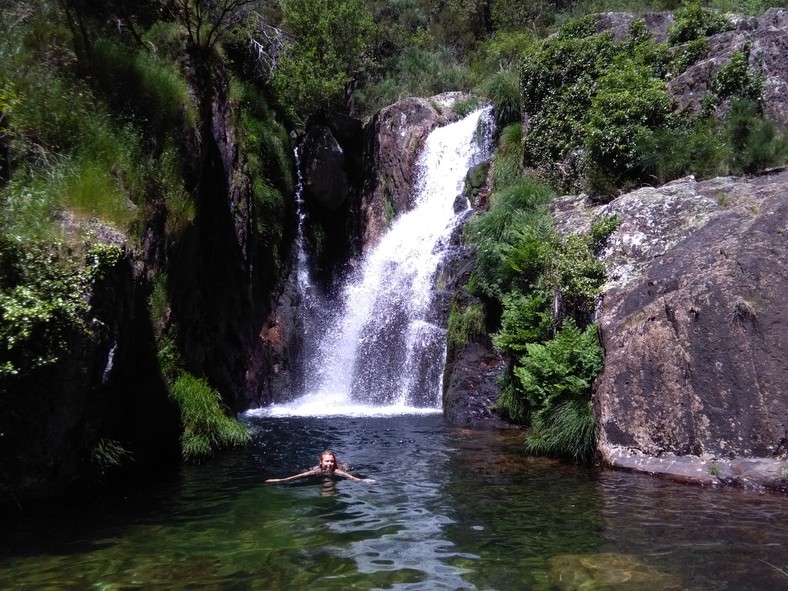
(451, 509)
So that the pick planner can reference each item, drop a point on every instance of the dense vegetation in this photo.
(103, 107)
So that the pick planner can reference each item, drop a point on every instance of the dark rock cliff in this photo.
(220, 275)
(104, 390)
(394, 139)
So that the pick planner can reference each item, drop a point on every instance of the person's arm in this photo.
(307, 473)
(349, 475)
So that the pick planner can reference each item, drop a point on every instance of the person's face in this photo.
(328, 463)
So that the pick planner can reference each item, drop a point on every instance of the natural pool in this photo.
(451, 509)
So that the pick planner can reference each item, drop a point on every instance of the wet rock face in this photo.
(394, 139)
(693, 324)
(324, 164)
(471, 387)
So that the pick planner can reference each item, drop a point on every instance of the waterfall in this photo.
(384, 350)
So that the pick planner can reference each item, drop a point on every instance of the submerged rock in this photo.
(608, 570)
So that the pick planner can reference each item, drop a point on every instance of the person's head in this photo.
(328, 461)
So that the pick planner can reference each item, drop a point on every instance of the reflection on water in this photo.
(451, 509)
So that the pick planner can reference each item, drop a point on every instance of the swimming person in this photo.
(328, 466)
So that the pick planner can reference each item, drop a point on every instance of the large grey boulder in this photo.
(693, 326)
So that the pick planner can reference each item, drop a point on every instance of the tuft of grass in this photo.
(506, 163)
(465, 324)
(89, 190)
(743, 311)
(206, 426)
(503, 91)
(108, 454)
(466, 105)
(567, 430)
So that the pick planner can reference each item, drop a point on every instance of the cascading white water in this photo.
(384, 352)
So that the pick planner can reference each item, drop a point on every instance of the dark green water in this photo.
(451, 509)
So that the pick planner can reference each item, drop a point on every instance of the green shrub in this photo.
(628, 106)
(555, 373)
(672, 152)
(525, 319)
(694, 22)
(742, 144)
(206, 426)
(578, 28)
(687, 54)
(557, 87)
(735, 79)
(43, 299)
(465, 324)
(503, 51)
(756, 144)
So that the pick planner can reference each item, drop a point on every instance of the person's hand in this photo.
(368, 480)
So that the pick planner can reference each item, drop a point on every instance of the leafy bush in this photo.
(742, 144)
(735, 79)
(674, 151)
(465, 324)
(628, 105)
(555, 380)
(206, 426)
(687, 54)
(330, 42)
(756, 143)
(525, 319)
(43, 299)
(695, 22)
(557, 88)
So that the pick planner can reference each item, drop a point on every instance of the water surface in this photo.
(451, 509)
